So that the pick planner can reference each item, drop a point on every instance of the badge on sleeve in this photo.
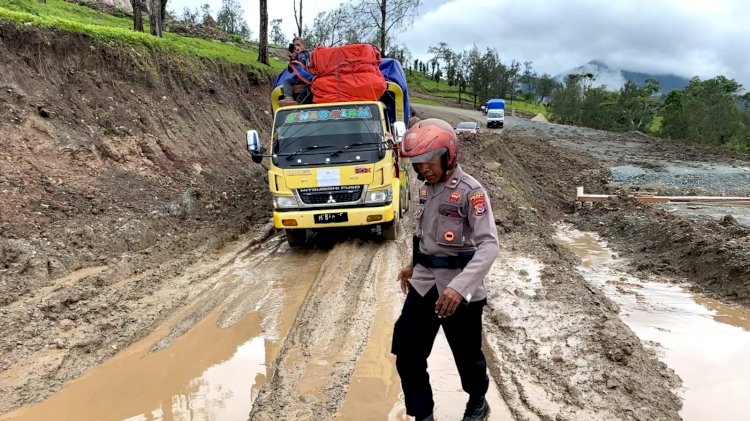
(455, 196)
(423, 195)
(478, 204)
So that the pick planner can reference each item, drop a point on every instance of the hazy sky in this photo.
(684, 37)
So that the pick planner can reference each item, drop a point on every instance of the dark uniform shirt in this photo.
(454, 217)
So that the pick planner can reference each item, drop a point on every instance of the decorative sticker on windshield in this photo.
(322, 115)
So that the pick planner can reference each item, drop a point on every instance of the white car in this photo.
(467, 127)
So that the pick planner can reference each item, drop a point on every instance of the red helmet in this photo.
(430, 138)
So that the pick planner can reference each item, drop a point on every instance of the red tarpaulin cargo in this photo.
(346, 73)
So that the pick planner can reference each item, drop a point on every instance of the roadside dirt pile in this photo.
(560, 350)
(713, 255)
(117, 159)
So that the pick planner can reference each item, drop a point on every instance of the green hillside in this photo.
(420, 83)
(58, 14)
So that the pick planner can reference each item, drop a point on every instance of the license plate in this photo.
(327, 218)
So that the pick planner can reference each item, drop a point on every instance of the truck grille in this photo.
(330, 195)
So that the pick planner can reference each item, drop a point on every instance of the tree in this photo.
(138, 7)
(378, 18)
(331, 28)
(190, 17)
(706, 112)
(636, 105)
(474, 70)
(231, 20)
(277, 36)
(206, 13)
(545, 86)
(567, 100)
(529, 78)
(156, 16)
(263, 33)
(298, 17)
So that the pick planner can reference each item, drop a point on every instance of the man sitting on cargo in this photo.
(299, 60)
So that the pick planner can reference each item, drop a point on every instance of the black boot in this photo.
(477, 410)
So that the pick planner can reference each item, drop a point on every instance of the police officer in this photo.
(455, 246)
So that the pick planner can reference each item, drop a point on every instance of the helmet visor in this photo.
(429, 156)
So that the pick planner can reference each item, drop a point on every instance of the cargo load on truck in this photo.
(395, 96)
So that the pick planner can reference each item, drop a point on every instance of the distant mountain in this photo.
(613, 79)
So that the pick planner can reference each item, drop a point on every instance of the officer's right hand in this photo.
(404, 276)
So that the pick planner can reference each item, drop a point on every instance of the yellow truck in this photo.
(336, 164)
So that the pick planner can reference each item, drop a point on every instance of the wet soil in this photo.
(134, 221)
(117, 166)
(704, 340)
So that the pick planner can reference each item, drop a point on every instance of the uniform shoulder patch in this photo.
(478, 203)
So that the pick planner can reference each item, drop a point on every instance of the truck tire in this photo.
(390, 230)
(405, 199)
(295, 237)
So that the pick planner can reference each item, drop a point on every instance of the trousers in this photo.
(413, 337)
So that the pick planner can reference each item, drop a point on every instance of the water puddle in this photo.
(711, 212)
(72, 278)
(212, 372)
(704, 341)
(375, 389)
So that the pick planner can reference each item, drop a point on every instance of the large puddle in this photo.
(209, 373)
(706, 342)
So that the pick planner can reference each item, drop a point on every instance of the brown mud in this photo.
(131, 208)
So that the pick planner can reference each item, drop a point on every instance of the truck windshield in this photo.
(328, 135)
(495, 114)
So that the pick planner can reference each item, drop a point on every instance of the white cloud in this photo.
(683, 37)
(686, 38)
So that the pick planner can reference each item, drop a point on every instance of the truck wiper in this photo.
(306, 149)
(347, 147)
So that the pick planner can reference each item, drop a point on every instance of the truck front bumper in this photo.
(331, 218)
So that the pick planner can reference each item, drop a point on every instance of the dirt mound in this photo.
(713, 255)
(114, 150)
(540, 118)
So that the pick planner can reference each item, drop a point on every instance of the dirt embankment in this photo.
(558, 347)
(119, 159)
(713, 255)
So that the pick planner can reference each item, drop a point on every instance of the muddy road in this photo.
(256, 330)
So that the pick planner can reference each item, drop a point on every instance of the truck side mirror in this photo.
(253, 145)
(399, 130)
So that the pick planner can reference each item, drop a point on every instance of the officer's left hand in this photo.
(448, 302)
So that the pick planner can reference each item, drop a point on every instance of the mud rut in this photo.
(556, 347)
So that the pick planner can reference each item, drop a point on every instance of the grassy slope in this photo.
(101, 26)
(419, 82)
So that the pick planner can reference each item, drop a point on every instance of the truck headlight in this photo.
(379, 196)
(284, 202)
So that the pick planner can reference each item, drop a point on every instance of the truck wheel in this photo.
(390, 230)
(295, 237)
(405, 199)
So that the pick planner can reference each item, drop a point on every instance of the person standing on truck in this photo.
(298, 56)
(455, 246)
